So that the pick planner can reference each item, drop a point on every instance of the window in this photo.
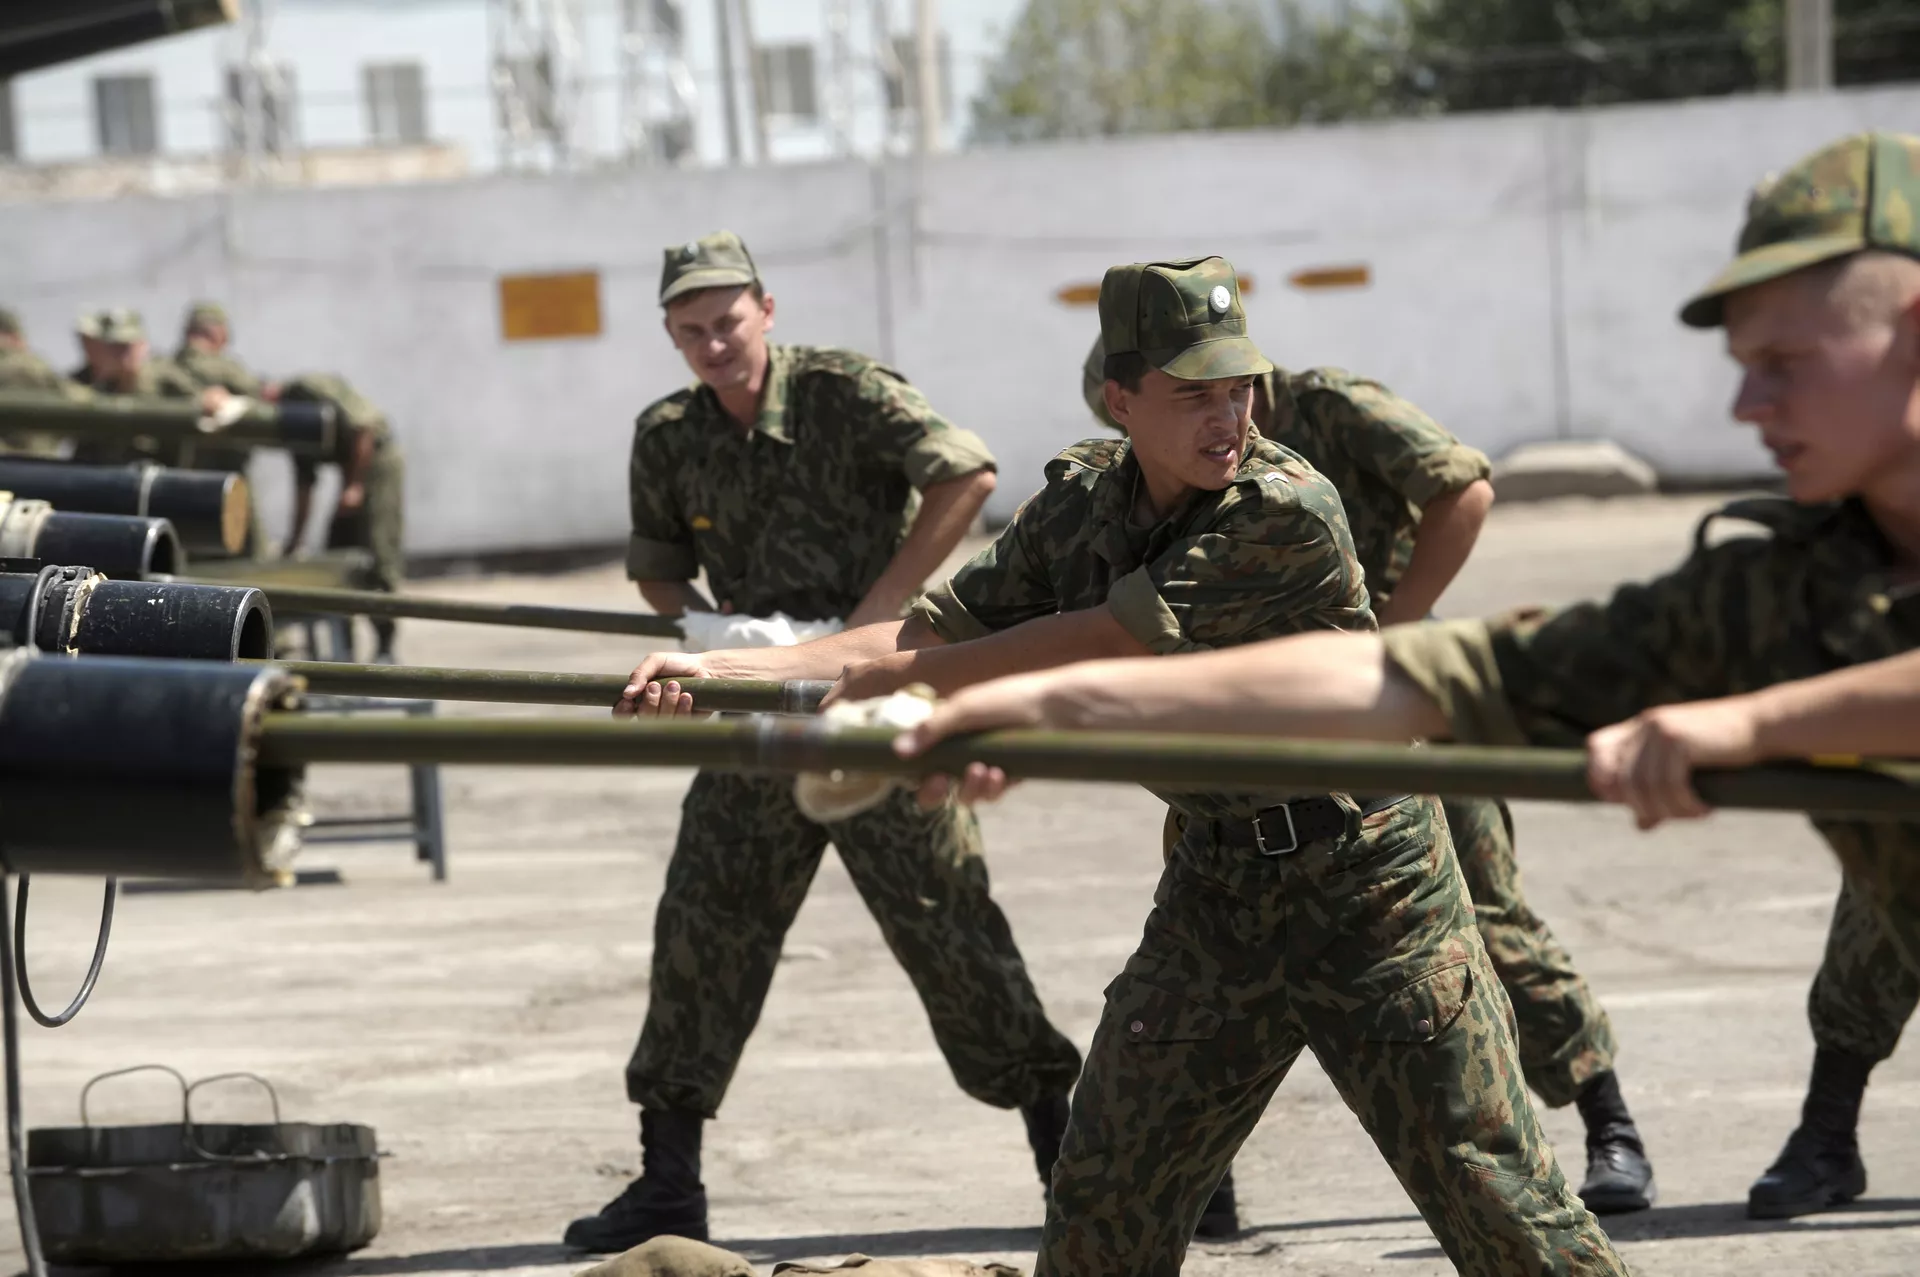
(903, 92)
(396, 103)
(278, 130)
(784, 72)
(9, 140)
(123, 115)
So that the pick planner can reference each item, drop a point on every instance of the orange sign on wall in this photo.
(538, 307)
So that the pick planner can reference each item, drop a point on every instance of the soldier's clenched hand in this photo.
(654, 690)
(1019, 701)
(1647, 762)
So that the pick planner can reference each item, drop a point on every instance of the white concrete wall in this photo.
(1526, 271)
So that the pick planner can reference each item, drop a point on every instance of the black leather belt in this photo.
(1283, 830)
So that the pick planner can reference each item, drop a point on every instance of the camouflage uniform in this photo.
(1388, 459)
(1359, 946)
(211, 368)
(22, 369)
(157, 379)
(800, 515)
(1812, 596)
(379, 524)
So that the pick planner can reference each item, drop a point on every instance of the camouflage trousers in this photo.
(1869, 979)
(1363, 950)
(378, 525)
(1565, 1036)
(740, 869)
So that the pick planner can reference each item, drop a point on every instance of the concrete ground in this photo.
(481, 1025)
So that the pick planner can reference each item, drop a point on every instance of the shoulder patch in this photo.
(836, 360)
(1088, 454)
(1783, 519)
(661, 411)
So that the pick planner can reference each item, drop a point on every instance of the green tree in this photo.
(1089, 68)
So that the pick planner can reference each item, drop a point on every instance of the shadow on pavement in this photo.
(1729, 1219)
(922, 1241)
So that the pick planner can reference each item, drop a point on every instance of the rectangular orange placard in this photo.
(536, 307)
(1355, 276)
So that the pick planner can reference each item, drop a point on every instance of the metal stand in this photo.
(424, 826)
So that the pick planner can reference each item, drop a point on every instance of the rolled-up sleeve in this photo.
(661, 545)
(928, 448)
(1420, 458)
(1453, 662)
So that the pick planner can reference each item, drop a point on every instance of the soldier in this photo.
(1821, 308)
(203, 356)
(791, 475)
(371, 510)
(1416, 498)
(1282, 923)
(116, 361)
(22, 369)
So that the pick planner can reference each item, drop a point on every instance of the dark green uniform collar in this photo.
(775, 396)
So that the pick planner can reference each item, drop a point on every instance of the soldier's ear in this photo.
(766, 308)
(1119, 404)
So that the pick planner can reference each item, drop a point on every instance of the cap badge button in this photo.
(692, 248)
(1220, 299)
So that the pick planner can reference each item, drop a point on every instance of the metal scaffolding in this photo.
(539, 80)
(658, 99)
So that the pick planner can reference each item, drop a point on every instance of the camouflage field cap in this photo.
(10, 324)
(718, 260)
(208, 313)
(1183, 317)
(1861, 192)
(116, 324)
(1093, 385)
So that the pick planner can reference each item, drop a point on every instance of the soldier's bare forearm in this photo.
(1449, 527)
(1871, 710)
(947, 510)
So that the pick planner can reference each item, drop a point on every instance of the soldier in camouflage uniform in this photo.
(1415, 498)
(370, 512)
(1822, 309)
(818, 484)
(1283, 923)
(22, 369)
(117, 362)
(203, 356)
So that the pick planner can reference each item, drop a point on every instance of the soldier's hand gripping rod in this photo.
(1169, 762)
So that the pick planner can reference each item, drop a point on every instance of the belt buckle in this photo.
(1260, 834)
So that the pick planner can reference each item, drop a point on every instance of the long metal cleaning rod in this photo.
(294, 600)
(1170, 762)
(530, 687)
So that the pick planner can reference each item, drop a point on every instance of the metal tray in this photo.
(191, 1190)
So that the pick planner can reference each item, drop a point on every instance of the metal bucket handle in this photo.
(186, 1108)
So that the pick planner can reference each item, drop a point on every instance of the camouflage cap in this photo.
(1861, 192)
(718, 260)
(1093, 385)
(1184, 317)
(10, 324)
(208, 313)
(117, 324)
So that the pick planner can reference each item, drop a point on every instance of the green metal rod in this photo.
(294, 600)
(1174, 763)
(528, 687)
(309, 430)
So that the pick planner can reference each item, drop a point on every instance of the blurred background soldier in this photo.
(203, 357)
(115, 360)
(370, 513)
(22, 369)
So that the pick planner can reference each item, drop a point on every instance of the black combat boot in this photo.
(667, 1200)
(1046, 1120)
(1820, 1166)
(1221, 1218)
(1619, 1176)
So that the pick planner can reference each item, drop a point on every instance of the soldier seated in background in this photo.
(203, 357)
(116, 361)
(371, 510)
(1415, 498)
(22, 369)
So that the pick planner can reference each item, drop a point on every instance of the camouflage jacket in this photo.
(21, 369)
(1387, 458)
(210, 369)
(1816, 593)
(158, 379)
(802, 513)
(1265, 556)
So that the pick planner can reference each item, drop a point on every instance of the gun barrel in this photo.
(208, 508)
(1172, 763)
(291, 600)
(528, 687)
(305, 428)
